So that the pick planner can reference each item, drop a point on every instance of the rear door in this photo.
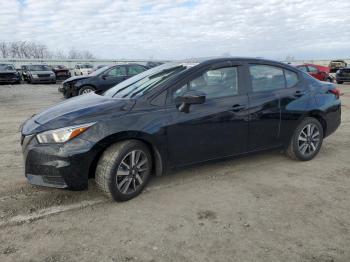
(135, 69)
(264, 108)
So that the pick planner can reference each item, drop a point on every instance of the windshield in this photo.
(144, 82)
(86, 66)
(5, 67)
(59, 67)
(39, 68)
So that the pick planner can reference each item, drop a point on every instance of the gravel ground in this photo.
(264, 207)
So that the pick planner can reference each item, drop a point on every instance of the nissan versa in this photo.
(174, 115)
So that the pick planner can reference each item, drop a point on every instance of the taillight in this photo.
(335, 92)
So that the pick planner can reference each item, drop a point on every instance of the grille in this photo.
(43, 75)
(7, 75)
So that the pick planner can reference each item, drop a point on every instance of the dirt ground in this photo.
(263, 207)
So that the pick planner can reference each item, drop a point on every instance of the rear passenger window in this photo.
(135, 69)
(117, 71)
(291, 78)
(265, 78)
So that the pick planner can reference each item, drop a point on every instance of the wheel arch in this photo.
(158, 160)
(320, 117)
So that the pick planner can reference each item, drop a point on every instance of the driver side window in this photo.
(117, 72)
(222, 82)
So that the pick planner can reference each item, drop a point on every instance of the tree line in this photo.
(30, 50)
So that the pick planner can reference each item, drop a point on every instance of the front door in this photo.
(112, 77)
(214, 129)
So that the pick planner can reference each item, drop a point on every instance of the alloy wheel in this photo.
(86, 91)
(131, 170)
(309, 139)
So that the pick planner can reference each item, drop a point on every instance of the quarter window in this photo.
(291, 78)
(313, 69)
(216, 83)
(265, 78)
(303, 68)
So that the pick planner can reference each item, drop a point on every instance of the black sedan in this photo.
(176, 115)
(9, 74)
(99, 80)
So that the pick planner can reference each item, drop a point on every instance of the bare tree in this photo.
(87, 55)
(24, 49)
(74, 54)
(60, 55)
(4, 50)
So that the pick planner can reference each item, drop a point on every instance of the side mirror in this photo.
(189, 98)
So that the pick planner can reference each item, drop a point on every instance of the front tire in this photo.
(124, 170)
(340, 82)
(86, 90)
(306, 141)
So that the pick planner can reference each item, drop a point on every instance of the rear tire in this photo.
(124, 170)
(306, 141)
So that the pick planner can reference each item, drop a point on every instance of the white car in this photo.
(83, 69)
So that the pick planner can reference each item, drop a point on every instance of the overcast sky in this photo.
(177, 29)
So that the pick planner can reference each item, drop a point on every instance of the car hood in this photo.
(8, 71)
(75, 78)
(79, 110)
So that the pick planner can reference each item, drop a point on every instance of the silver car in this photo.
(38, 74)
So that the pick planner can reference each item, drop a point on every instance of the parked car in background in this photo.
(334, 65)
(83, 69)
(99, 80)
(175, 115)
(153, 64)
(319, 72)
(61, 72)
(9, 74)
(343, 75)
(38, 74)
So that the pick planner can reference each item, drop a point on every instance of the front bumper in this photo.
(43, 79)
(68, 90)
(58, 165)
(11, 80)
(343, 78)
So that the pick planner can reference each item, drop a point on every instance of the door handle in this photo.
(238, 107)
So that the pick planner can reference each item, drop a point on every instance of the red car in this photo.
(319, 72)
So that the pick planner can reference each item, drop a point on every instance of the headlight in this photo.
(34, 75)
(62, 135)
(77, 83)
